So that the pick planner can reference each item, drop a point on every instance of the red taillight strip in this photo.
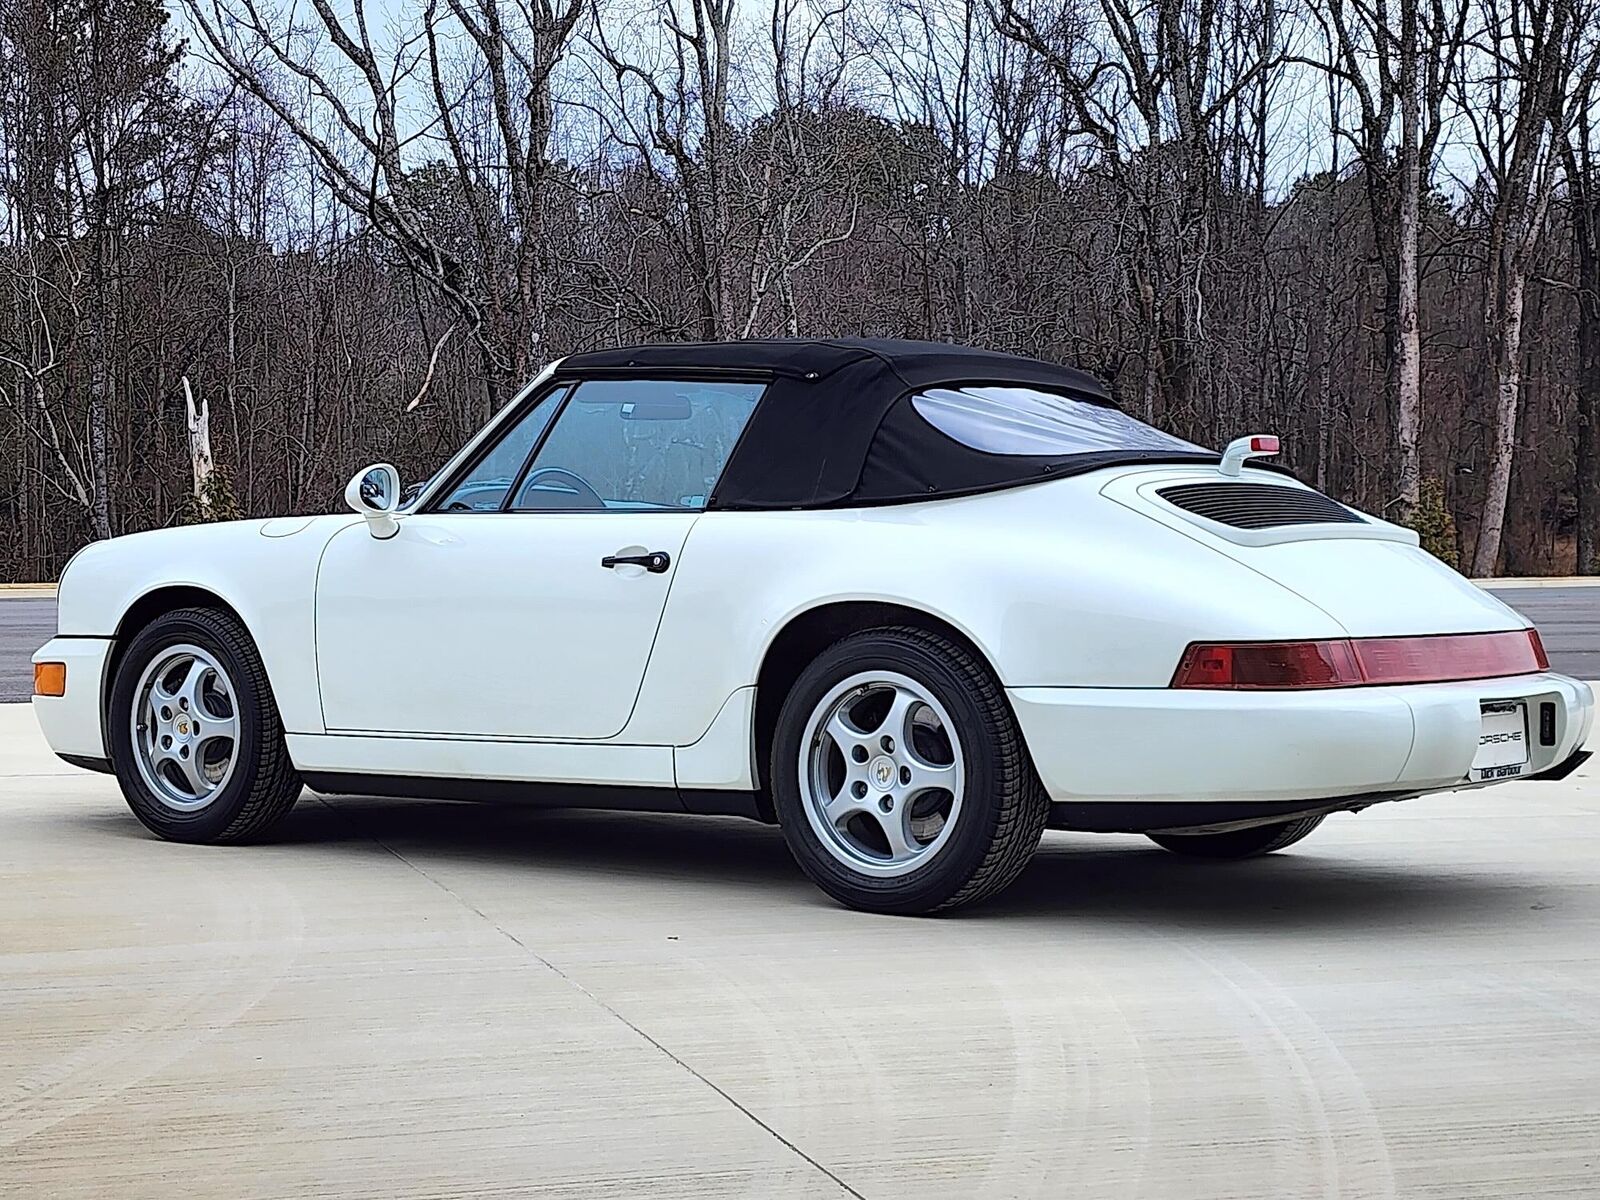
(1538, 649)
(1360, 662)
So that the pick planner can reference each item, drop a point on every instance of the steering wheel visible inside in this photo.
(576, 494)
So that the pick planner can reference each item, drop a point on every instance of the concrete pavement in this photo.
(398, 999)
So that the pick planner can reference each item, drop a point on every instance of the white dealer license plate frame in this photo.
(1502, 740)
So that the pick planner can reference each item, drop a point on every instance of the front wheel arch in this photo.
(260, 784)
(137, 616)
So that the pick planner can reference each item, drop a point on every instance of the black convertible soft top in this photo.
(836, 426)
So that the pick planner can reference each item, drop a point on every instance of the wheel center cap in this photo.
(883, 771)
(182, 726)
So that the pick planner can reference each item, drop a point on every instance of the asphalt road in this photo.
(1569, 624)
(25, 625)
(1568, 620)
(400, 1000)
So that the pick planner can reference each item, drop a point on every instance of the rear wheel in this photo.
(1238, 843)
(194, 733)
(900, 777)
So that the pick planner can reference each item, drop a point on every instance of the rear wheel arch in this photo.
(954, 820)
(806, 635)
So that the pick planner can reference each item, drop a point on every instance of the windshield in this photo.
(1022, 420)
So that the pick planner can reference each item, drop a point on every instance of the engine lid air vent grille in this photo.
(1258, 506)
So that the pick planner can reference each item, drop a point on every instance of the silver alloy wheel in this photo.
(881, 773)
(185, 727)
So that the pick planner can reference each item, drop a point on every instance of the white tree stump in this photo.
(199, 421)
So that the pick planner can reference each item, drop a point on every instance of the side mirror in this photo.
(374, 492)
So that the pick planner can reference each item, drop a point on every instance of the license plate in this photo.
(1502, 742)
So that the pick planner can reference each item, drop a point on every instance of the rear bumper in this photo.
(1161, 745)
(72, 723)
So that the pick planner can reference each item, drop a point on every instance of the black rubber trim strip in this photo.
(1210, 816)
(622, 797)
(672, 374)
(87, 762)
(1186, 816)
(714, 802)
(1566, 766)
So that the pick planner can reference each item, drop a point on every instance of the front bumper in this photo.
(1169, 745)
(72, 723)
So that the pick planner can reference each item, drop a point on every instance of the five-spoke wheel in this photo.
(194, 732)
(185, 727)
(899, 775)
(883, 773)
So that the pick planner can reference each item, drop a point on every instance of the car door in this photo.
(523, 600)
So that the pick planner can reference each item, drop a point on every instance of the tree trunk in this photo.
(1407, 362)
(1586, 246)
(101, 338)
(1507, 392)
(199, 422)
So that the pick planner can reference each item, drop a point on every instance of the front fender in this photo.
(268, 579)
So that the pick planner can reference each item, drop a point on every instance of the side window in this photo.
(484, 487)
(638, 444)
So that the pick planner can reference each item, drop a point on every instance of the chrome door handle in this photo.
(655, 562)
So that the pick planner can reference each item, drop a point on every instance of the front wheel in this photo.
(194, 732)
(1238, 843)
(900, 777)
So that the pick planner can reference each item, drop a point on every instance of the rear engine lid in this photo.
(1258, 508)
(1253, 505)
(1366, 573)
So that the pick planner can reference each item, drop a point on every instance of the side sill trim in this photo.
(621, 797)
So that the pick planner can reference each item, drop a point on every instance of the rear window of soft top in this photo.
(999, 419)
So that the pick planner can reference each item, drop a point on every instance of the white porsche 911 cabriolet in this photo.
(911, 602)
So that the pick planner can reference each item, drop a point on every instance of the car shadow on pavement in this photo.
(1339, 889)
(1075, 877)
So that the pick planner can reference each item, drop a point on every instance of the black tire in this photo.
(1240, 843)
(1004, 807)
(264, 784)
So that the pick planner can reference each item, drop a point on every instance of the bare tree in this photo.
(94, 95)
(369, 224)
(1580, 155)
(789, 164)
(366, 145)
(1148, 95)
(672, 99)
(33, 355)
(1515, 96)
(1399, 60)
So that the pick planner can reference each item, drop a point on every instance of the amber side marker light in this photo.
(49, 679)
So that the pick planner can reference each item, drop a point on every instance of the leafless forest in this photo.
(350, 230)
